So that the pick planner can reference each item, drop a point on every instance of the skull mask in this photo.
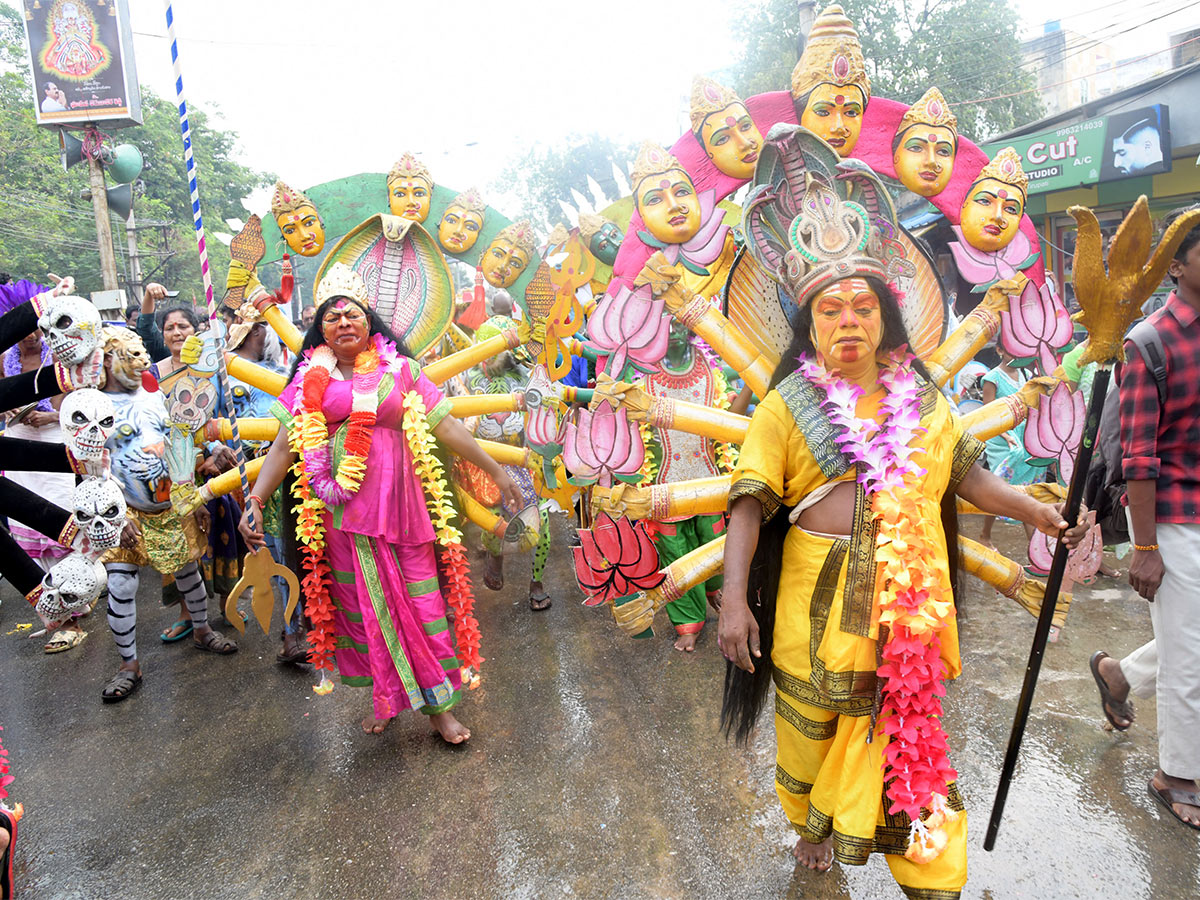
(191, 402)
(100, 512)
(70, 586)
(87, 417)
(72, 327)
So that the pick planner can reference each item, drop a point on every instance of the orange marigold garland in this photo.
(452, 556)
(318, 603)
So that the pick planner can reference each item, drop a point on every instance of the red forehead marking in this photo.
(1003, 194)
(933, 138)
(730, 120)
(840, 98)
(665, 183)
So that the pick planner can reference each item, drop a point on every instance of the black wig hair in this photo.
(314, 337)
(745, 693)
(186, 311)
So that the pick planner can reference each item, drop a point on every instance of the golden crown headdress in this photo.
(288, 199)
(708, 97)
(470, 201)
(832, 55)
(931, 109)
(589, 224)
(558, 235)
(520, 235)
(342, 281)
(1006, 166)
(651, 160)
(408, 166)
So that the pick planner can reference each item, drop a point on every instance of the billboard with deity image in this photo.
(81, 56)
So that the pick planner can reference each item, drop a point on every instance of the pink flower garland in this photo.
(913, 602)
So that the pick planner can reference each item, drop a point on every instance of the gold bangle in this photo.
(1145, 548)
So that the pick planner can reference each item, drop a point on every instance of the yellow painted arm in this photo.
(506, 454)
(485, 404)
(1008, 578)
(667, 412)
(255, 375)
(1003, 413)
(248, 430)
(685, 573)
(478, 513)
(228, 482)
(698, 497)
(284, 327)
(980, 326)
(441, 370)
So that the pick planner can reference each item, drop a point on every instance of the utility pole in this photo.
(806, 14)
(108, 258)
(135, 263)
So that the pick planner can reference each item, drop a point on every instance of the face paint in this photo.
(834, 114)
(847, 327)
(924, 159)
(669, 207)
(991, 214)
(345, 327)
(732, 141)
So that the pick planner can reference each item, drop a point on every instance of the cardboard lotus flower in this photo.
(704, 247)
(1034, 326)
(983, 267)
(616, 559)
(1082, 563)
(1054, 429)
(544, 433)
(631, 328)
(602, 445)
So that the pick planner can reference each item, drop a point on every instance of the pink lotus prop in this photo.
(631, 329)
(1082, 563)
(544, 433)
(1054, 429)
(1035, 325)
(603, 445)
(984, 268)
(616, 559)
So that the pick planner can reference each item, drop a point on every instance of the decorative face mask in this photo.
(72, 327)
(302, 229)
(924, 159)
(70, 587)
(668, 204)
(409, 198)
(191, 402)
(834, 114)
(459, 229)
(605, 243)
(100, 512)
(991, 214)
(87, 418)
(503, 262)
(731, 140)
(847, 326)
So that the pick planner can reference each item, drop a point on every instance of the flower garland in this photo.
(913, 602)
(727, 454)
(313, 431)
(455, 569)
(318, 603)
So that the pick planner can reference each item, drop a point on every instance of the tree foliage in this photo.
(969, 49)
(46, 227)
(539, 180)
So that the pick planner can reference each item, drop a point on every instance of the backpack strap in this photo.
(1145, 337)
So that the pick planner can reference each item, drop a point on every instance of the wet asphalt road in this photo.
(595, 769)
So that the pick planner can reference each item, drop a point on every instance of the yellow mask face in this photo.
(924, 158)
(503, 263)
(732, 141)
(302, 229)
(669, 206)
(409, 198)
(991, 214)
(459, 229)
(834, 114)
(847, 326)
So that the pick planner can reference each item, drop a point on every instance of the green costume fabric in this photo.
(676, 539)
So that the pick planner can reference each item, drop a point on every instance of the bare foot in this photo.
(1188, 812)
(372, 725)
(818, 857)
(451, 730)
(686, 642)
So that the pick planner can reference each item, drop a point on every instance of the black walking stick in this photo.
(1110, 299)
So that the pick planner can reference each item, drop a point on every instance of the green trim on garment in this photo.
(421, 588)
(364, 547)
(435, 627)
(345, 642)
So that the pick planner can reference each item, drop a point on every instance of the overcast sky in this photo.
(319, 90)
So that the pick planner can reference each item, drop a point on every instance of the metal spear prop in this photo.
(257, 568)
(1111, 299)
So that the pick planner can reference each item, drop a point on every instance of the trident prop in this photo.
(257, 568)
(1111, 300)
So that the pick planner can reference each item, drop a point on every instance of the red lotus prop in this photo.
(616, 559)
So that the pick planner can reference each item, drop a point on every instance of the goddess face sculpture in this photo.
(665, 196)
(830, 87)
(847, 326)
(410, 189)
(602, 236)
(508, 255)
(834, 113)
(298, 220)
(461, 222)
(991, 213)
(925, 145)
(724, 128)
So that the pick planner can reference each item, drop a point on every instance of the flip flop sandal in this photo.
(215, 642)
(1167, 796)
(8, 822)
(539, 601)
(62, 641)
(1124, 708)
(186, 624)
(124, 683)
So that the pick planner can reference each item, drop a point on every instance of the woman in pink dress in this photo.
(389, 612)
